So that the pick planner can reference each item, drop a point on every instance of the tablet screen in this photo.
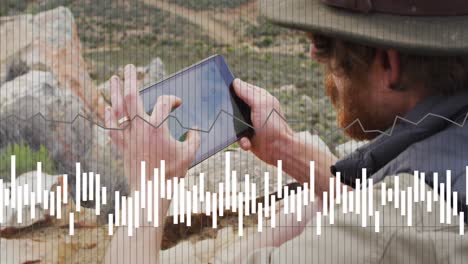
(208, 102)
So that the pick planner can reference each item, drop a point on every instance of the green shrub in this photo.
(26, 160)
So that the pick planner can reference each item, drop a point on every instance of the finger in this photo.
(111, 124)
(192, 142)
(245, 144)
(132, 100)
(250, 94)
(118, 105)
(163, 107)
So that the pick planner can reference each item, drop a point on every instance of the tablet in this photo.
(208, 102)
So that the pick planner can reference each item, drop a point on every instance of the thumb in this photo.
(193, 140)
(245, 92)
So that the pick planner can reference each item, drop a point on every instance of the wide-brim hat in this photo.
(434, 30)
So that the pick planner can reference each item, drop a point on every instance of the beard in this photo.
(354, 104)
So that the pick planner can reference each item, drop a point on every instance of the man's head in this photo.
(375, 85)
(382, 57)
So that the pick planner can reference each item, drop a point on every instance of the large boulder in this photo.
(48, 41)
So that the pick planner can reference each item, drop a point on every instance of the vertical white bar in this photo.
(351, 201)
(273, 211)
(52, 203)
(46, 199)
(390, 195)
(384, 196)
(332, 206)
(345, 199)
(403, 203)
(410, 207)
(247, 194)
(292, 200)
(59, 202)
(19, 201)
(415, 185)
(462, 223)
(142, 185)
(91, 186)
(299, 204)
(169, 189)
(254, 198)
(455, 203)
(267, 193)
(279, 177)
(429, 201)
(195, 199)
(130, 216)
(7, 197)
(26, 194)
(98, 194)
(117, 208)
(442, 203)
(285, 200)
(39, 182)
(422, 187)
(319, 218)
(436, 184)
(150, 202)
(221, 200)
(371, 196)
(234, 191)
(71, 223)
(358, 196)
(182, 200)
(2, 206)
(228, 180)
(65, 188)
(312, 180)
(111, 231)
(156, 196)
(215, 213)
(104, 195)
(137, 209)
(32, 206)
(208, 202)
(176, 200)
(449, 197)
(162, 170)
(397, 191)
(338, 187)
(332, 190)
(306, 193)
(377, 222)
(202, 186)
(124, 211)
(325, 203)
(466, 186)
(13, 181)
(85, 186)
(364, 198)
(260, 218)
(189, 208)
(240, 213)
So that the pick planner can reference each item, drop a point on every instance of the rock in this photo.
(288, 88)
(147, 75)
(347, 148)
(39, 92)
(28, 251)
(308, 103)
(48, 41)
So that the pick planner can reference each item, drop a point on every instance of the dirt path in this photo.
(219, 32)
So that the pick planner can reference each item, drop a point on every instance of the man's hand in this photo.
(269, 134)
(144, 137)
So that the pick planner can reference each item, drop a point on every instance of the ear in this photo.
(391, 66)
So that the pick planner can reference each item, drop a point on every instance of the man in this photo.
(384, 59)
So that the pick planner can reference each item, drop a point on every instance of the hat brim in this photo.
(435, 35)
